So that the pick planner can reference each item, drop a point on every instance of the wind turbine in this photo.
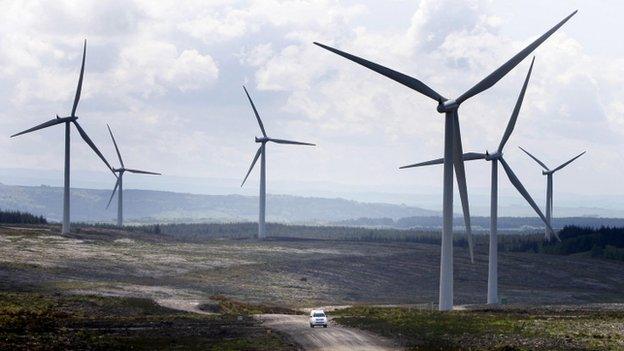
(495, 158)
(119, 183)
(68, 121)
(549, 181)
(262, 152)
(452, 147)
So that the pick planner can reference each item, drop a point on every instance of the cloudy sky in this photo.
(168, 75)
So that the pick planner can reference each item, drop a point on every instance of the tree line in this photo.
(242, 230)
(18, 217)
(605, 242)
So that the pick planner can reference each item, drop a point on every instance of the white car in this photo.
(318, 317)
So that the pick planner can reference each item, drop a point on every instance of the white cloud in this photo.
(153, 67)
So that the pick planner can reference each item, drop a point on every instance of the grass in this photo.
(48, 321)
(509, 329)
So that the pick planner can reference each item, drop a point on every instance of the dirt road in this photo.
(333, 338)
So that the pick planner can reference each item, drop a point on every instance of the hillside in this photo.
(287, 272)
(147, 206)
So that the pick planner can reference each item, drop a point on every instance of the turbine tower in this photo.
(262, 154)
(68, 121)
(452, 147)
(549, 181)
(495, 158)
(119, 183)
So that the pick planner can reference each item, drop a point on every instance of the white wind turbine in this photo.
(119, 183)
(68, 121)
(452, 148)
(262, 152)
(495, 158)
(549, 182)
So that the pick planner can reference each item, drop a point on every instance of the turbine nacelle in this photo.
(262, 139)
(66, 119)
(448, 106)
(495, 156)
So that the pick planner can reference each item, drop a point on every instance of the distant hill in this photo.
(89, 205)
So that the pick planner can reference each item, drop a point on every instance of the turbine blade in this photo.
(140, 171)
(255, 112)
(113, 193)
(469, 156)
(535, 159)
(253, 163)
(522, 190)
(398, 77)
(567, 163)
(282, 141)
(88, 140)
(49, 123)
(460, 174)
(516, 111)
(116, 148)
(79, 88)
(437, 161)
(495, 76)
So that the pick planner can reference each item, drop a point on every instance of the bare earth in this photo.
(296, 274)
(333, 338)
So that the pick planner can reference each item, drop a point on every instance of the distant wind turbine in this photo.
(262, 152)
(119, 183)
(68, 121)
(492, 294)
(452, 148)
(549, 181)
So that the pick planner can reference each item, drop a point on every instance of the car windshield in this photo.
(319, 314)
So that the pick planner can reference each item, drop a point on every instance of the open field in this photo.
(294, 273)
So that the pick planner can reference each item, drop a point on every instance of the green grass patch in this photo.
(491, 329)
(48, 321)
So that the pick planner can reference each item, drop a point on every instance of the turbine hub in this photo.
(447, 106)
(262, 139)
(495, 156)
